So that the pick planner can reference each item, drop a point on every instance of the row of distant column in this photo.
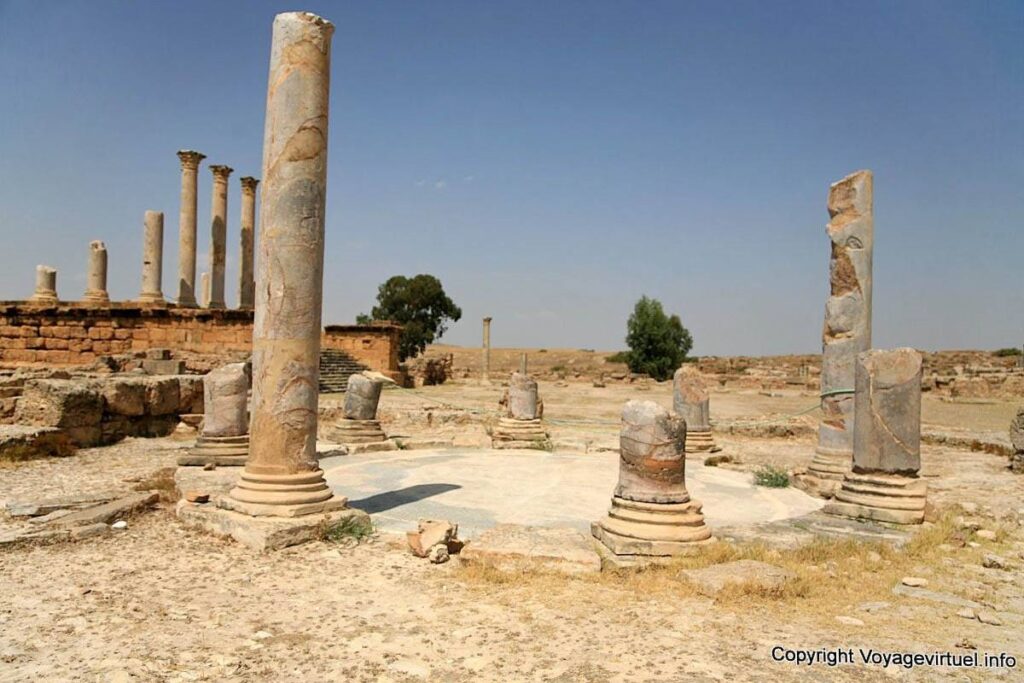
(153, 248)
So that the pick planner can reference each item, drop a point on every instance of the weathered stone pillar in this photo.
(204, 290)
(521, 425)
(1017, 441)
(884, 484)
(224, 440)
(486, 374)
(282, 476)
(152, 258)
(246, 281)
(847, 330)
(46, 285)
(692, 402)
(359, 426)
(96, 277)
(218, 234)
(651, 512)
(190, 161)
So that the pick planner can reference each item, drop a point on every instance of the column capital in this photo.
(220, 171)
(190, 159)
(249, 183)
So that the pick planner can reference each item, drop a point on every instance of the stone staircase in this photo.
(335, 369)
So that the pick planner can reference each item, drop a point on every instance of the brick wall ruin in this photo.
(76, 334)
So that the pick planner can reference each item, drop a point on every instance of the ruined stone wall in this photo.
(76, 334)
(375, 345)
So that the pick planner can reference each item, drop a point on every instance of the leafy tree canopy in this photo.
(658, 343)
(419, 305)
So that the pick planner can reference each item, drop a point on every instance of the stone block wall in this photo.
(70, 334)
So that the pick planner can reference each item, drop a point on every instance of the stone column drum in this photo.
(282, 477)
(224, 439)
(204, 290)
(359, 423)
(692, 403)
(190, 161)
(218, 235)
(46, 286)
(152, 258)
(246, 281)
(652, 513)
(1017, 442)
(486, 360)
(96, 277)
(521, 426)
(847, 330)
(884, 485)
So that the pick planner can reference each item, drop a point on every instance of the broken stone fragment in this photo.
(430, 533)
(438, 554)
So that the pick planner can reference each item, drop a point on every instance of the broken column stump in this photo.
(884, 485)
(225, 436)
(652, 514)
(691, 402)
(359, 425)
(521, 426)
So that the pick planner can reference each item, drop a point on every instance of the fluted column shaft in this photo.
(218, 234)
(246, 279)
(190, 161)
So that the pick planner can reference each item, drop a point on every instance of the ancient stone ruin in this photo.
(652, 514)
(692, 403)
(281, 496)
(521, 426)
(359, 429)
(224, 439)
(847, 330)
(884, 485)
(1017, 442)
(46, 286)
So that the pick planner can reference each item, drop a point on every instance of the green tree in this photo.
(419, 305)
(658, 343)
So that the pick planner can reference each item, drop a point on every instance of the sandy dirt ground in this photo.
(158, 602)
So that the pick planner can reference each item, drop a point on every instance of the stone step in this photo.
(335, 369)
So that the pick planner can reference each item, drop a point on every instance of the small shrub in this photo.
(771, 477)
(558, 368)
(1003, 353)
(354, 528)
(620, 357)
(162, 481)
(716, 460)
(543, 351)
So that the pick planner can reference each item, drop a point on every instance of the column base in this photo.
(270, 532)
(96, 297)
(700, 441)
(881, 498)
(183, 302)
(825, 473)
(511, 433)
(653, 529)
(348, 431)
(218, 450)
(302, 491)
(152, 299)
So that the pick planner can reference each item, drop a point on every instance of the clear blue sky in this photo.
(552, 162)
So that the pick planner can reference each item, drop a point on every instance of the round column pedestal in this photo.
(653, 529)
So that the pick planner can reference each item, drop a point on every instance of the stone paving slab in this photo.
(481, 488)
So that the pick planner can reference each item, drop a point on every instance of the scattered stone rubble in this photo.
(74, 517)
(436, 540)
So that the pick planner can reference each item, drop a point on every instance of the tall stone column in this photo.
(190, 161)
(282, 477)
(96, 277)
(884, 484)
(218, 234)
(486, 374)
(152, 258)
(847, 330)
(246, 281)
(46, 285)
